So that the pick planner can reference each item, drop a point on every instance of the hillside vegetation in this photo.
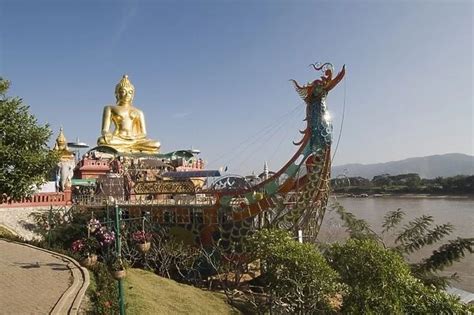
(405, 183)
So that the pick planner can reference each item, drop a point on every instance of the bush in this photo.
(103, 291)
(380, 282)
(297, 277)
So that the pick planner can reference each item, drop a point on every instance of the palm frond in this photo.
(431, 237)
(447, 254)
(357, 228)
(415, 229)
(430, 278)
(392, 219)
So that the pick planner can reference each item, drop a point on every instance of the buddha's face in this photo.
(125, 95)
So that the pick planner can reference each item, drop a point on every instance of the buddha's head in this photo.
(124, 91)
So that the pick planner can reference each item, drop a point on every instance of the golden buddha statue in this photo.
(129, 134)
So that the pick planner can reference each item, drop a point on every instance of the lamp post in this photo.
(118, 251)
(118, 244)
(77, 146)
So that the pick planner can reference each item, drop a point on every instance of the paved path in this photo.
(35, 281)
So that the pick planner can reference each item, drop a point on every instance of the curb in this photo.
(14, 233)
(71, 299)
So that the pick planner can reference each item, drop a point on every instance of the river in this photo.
(457, 211)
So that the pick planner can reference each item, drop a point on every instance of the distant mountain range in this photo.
(432, 166)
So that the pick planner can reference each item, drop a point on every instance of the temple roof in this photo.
(191, 174)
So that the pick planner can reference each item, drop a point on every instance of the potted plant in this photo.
(117, 269)
(86, 248)
(142, 239)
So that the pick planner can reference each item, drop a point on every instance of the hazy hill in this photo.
(432, 166)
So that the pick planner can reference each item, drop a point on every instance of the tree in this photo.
(25, 159)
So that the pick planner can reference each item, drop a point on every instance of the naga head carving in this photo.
(321, 86)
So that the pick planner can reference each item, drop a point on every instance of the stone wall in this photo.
(17, 220)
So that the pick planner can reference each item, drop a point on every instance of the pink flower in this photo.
(105, 237)
(77, 246)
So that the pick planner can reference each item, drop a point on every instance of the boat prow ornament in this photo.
(178, 197)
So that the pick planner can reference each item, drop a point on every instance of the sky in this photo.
(213, 75)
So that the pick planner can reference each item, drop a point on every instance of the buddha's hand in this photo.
(107, 136)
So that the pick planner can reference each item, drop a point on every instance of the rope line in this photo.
(262, 131)
(283, 123)
(342, 123)
(292, 129)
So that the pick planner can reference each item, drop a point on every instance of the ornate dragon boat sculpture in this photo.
(295, 197)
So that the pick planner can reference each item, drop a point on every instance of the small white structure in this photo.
(465, 296)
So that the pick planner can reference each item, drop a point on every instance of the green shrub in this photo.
(380, 282)
(297, 277)
(104, 293)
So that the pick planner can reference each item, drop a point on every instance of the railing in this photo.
(39, 199)
(101, 201)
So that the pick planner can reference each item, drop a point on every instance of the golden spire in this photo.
(61, 146)
(61, 140)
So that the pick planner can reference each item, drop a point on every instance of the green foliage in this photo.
(455, 184)
(425, 237)
(115, 264)
(404, 183)
(447, 254)
(104, 294)
(25, 159)
(59, 228)
(376, 277)
(429, 300)
(392, 219)
(297, 277)
(357, 228)
(380, 282)
(415, 229)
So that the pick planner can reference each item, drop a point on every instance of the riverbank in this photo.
(404, 195)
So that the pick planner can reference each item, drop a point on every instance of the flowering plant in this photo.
(105, 237)
(93, 225)
(77, 246)
(141, 236)
(85, 246)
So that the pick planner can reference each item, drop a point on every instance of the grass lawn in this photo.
(147, 293)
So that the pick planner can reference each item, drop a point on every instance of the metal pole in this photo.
(118, 248)
(107, 208)
(109, 228)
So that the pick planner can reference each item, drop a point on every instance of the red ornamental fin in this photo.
(331, 84)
